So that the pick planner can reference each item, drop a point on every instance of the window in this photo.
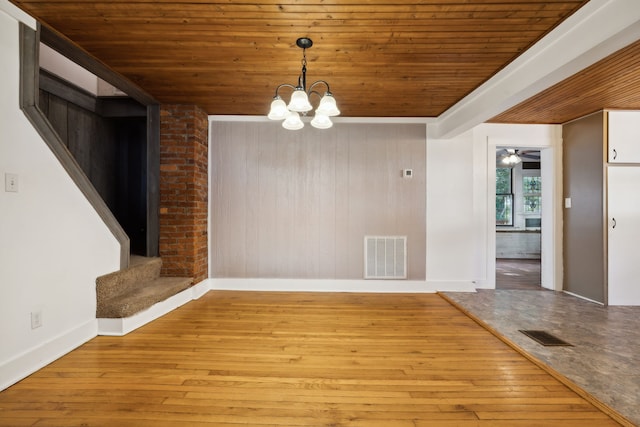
(531, 189)
(504, 197)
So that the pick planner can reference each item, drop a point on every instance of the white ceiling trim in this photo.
(232, 118)
(17, 14)
(596, 30)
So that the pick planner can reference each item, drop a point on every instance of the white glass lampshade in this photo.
(512, 159)
(278, 109)
(321, 121)
(328, 106)
(299, 102)
(292, 122)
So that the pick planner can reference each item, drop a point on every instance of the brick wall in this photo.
(183, 191)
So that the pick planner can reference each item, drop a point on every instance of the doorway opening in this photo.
(518, 221)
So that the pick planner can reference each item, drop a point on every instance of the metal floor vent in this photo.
(545, 338)
(385, 257)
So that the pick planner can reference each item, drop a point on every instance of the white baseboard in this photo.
(453, 285)
(484, 284)
(38, 357)
(122, 326)
(320, 285)
(200, 289)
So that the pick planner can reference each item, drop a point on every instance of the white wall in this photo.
(52, 243)
(461, 203)
(460, 213)
(451, 229)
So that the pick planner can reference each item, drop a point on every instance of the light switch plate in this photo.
(11, 182)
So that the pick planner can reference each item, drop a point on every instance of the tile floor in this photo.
(605, 357)
(518, 274)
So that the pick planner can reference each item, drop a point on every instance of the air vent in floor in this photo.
(545, 338)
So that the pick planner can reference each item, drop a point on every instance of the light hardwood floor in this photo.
(299, 359)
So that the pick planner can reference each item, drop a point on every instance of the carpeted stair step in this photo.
(140, 269)
(141, 297)
(126, 292)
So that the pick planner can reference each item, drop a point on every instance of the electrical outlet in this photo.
(36, 319)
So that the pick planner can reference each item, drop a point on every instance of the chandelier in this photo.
(299, 102)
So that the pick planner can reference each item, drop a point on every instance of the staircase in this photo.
(126, 292)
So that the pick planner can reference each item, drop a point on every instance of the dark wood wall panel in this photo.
(110, 150)
(57, 112)
(103, 161)
(89, 138)
(83, 133)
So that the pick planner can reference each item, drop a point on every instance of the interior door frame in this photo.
(551, 214)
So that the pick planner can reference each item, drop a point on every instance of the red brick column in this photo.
(184, 191)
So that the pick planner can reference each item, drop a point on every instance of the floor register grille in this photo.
(545, 338)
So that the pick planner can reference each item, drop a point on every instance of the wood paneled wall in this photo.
(297, 204)
(89, 138)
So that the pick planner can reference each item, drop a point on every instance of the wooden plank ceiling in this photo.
(612, 83)
(395, 59)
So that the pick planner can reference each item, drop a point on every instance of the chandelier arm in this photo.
(285, 85)
(314, 92)
(317, 83)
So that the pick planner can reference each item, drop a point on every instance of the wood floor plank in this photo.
(299, 359)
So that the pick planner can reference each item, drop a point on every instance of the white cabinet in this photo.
(623, 207)
(623, 211)
(623, 136)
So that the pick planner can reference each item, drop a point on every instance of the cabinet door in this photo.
(624, 235)
(623, 136)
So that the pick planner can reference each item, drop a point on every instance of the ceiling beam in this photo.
(596, 30)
